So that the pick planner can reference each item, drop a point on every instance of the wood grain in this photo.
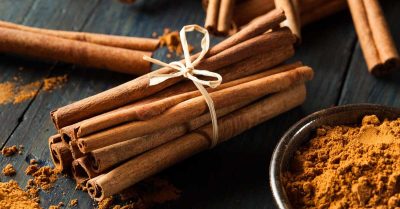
(233, 175)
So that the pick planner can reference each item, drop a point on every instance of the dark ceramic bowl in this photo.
(303, 130)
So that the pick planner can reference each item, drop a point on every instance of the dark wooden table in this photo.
(233, 175)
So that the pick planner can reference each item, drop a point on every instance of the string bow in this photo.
(187, 70)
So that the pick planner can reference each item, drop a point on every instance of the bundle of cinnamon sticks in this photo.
(114, 139)
(116, 53)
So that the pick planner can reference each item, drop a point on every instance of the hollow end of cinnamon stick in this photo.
(385, 68)
(75, 151)
(94, 190)
(81, 169)
(61, 156)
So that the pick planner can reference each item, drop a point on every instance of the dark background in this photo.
(233, 175)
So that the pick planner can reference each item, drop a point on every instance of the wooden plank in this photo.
(49, 14)
(43, 13)
(360, 86)
(233, 175)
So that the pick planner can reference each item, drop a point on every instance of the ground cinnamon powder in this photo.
(14, 92)
(12, 196)
(348, 167)
(172, 41)
(9, 170)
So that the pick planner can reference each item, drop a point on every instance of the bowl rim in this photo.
(278, 193)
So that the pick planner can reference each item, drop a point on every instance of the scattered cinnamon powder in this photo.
(348, 167)
(106, 203)
(12, 196)
(9, 151)
(73, 202)
(172, 41)
(9, 170)
(44, 177)
(14, 92)
(54, 82)
(60, 204)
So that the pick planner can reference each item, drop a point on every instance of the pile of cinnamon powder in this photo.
(12, 196)
(348, 167)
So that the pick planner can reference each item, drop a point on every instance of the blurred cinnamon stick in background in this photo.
(126, 42)
(374, 36)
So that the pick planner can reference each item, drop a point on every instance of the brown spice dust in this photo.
(172, 41)
(348, 167)
(14, 92)
(12, 196)
(9, 151)
(9, 170)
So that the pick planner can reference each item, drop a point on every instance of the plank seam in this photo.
(21, 117)
(345, 75)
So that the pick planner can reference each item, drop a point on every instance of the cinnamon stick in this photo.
(135, 43)
(195, 107)
(314, 12)
(111, 155)
(139, 88)
(76, 153)
(248, 10)
(71, 51)
(81, 170)
(128, 113)
(291, 9)
(225, 16)
(374, 36)
(61, 156)
(175, 151)
(211, 21)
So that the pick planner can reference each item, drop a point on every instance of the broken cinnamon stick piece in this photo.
(211, 21)
(177, 150)
(77, 52)
(195, 107)
(291, 9)
(135, 43)
(374, 36)
(225, 16)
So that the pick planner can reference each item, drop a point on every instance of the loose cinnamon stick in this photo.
(135, 43)
(212, 15)
(175, 151)
(291, 9)
(195, 107)
(71, 51)
(248, 10)
(81, 170)
(374, 36)
(128, 113)
(61, 156)
(314, 12)
(139, 88)
(225, 16)
(54, 139)
(310, 10)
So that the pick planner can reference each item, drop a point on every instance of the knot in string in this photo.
(188, 71)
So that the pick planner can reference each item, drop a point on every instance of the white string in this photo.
(187, 70)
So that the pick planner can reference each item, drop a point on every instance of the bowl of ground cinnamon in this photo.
(341, 157)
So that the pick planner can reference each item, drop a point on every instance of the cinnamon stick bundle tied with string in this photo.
(374, 36)
(173, 152)
(139, 88)
(132, 126)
